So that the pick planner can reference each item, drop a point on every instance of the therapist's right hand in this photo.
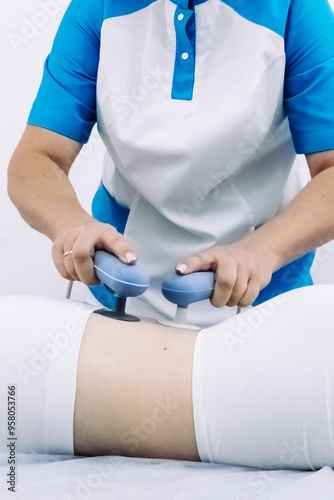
(81, 242)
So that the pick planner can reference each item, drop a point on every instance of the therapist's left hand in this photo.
(241, 271)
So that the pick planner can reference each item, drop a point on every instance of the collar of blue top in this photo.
(188, 4)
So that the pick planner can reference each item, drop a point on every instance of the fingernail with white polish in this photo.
(181, 268)
(130, 257)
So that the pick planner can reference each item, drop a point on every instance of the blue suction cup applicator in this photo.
(184, 290)
(122, 280)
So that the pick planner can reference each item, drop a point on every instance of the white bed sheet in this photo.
(54, 477)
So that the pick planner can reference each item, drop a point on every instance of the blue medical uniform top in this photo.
(202, 106)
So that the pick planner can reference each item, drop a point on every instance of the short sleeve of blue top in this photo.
(66, 100)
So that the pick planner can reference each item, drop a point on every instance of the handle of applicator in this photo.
(186, 289)
(123, 280)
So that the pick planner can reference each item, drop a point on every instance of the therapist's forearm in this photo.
(245, 267)
(43, 194)
(306, 223)
(38, 185)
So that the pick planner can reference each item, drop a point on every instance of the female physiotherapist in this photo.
(202, 106)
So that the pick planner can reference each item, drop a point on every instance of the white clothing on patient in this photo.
(39, 349)
(263, 384)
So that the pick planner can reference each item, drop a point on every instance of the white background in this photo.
(27, 30)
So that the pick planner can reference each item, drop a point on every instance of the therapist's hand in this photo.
(82, 241)
(241, 271)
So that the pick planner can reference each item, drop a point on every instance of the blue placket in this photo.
(184, 67)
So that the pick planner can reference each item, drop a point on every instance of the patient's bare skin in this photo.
(134, 391)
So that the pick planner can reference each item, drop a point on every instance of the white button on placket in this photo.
(180, 17)
(185, 55)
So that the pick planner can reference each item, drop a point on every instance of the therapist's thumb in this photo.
(121, 246)
(128, 258)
